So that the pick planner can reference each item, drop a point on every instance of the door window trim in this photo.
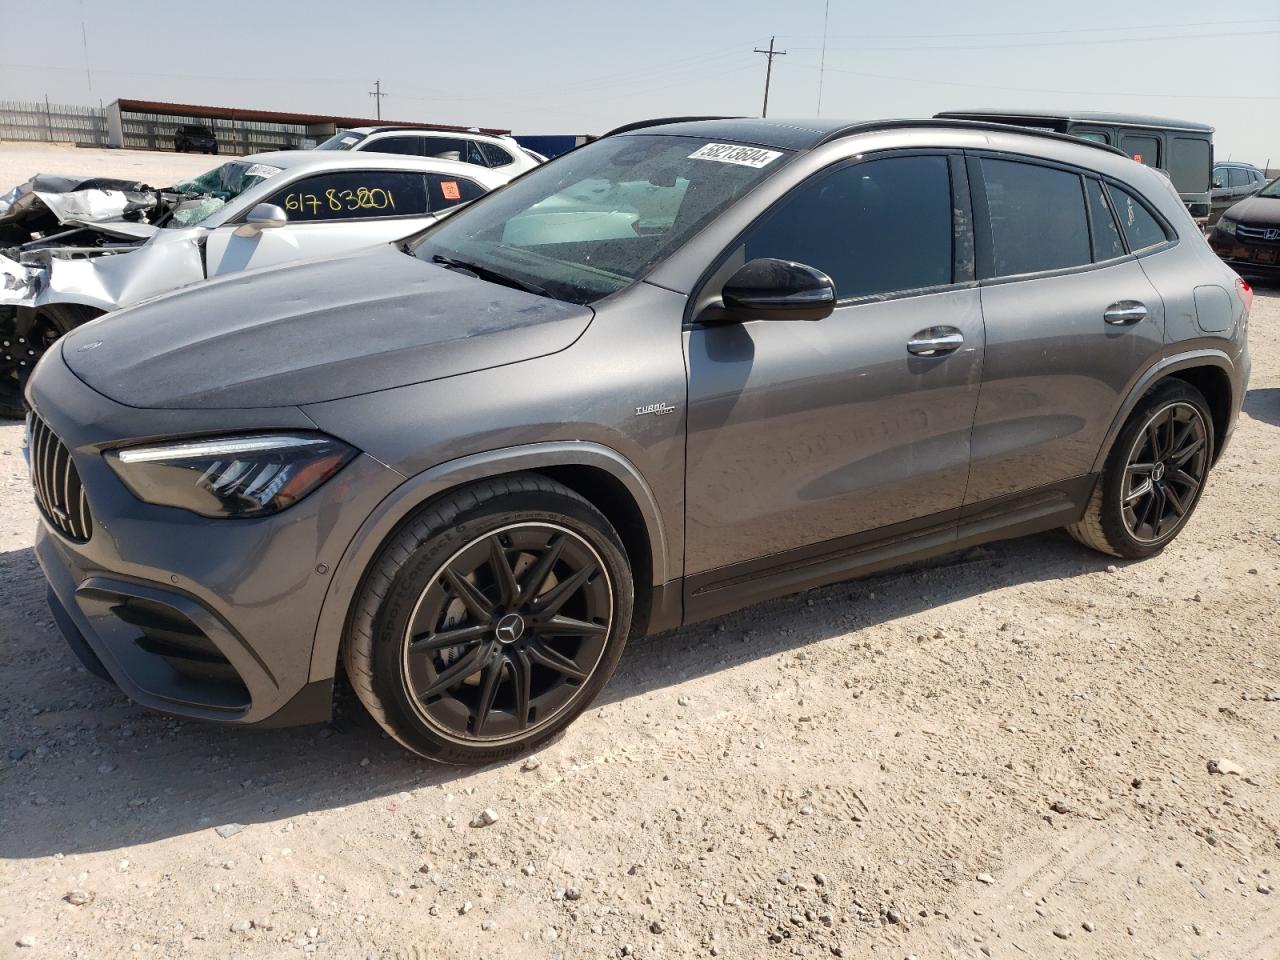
(963, 262)
(984, 242)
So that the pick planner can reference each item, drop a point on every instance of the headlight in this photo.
(1228, 226)
(249, 476)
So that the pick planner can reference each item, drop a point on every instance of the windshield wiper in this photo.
(488, 273)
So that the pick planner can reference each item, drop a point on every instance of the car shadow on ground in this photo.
(1264, 405)
(84, 769)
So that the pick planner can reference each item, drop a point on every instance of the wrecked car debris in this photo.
(72, 249)
(45, 201)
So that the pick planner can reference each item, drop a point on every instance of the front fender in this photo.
(417, 490)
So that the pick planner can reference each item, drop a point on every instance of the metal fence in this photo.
(58, 122)
(148, 131)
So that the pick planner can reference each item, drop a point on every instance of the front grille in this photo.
(59, 493)
(1265, 234)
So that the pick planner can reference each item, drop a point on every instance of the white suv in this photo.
(483, 150)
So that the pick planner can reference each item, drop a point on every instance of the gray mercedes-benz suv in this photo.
(681, 369)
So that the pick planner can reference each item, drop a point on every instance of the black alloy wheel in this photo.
(507, 632)
(1153, 476)
(19, 353)
(490, 620)
(1165, 470)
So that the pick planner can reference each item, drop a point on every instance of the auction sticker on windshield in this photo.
(262, 170)
(735, 153)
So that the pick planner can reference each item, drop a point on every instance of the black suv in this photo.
(192, 139)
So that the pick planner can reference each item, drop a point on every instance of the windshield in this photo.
(1272, 189)
(596, 219)
(342, 140)
(208, 193)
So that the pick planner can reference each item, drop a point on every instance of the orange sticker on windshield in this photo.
(450, 190)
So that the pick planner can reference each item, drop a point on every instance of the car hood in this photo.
(315, 331)
(1256, 211)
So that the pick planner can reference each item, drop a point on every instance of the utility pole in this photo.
(377, 95)
(768, 71)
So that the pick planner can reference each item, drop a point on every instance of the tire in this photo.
(1142, 528)
(500, 692)
(51, 323)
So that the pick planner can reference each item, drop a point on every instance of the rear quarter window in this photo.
(1141, 227)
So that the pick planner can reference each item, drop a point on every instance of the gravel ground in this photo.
(19, 161)
(1027, 752)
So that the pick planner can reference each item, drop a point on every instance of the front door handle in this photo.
(935, 342)
(1125, 312)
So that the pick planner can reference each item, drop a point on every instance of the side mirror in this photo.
(769, 289)
(262, 217)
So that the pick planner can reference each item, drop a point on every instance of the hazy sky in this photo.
(570, 66)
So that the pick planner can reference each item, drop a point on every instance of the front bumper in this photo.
(211, 619)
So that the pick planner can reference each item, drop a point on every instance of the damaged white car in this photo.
(73, 249)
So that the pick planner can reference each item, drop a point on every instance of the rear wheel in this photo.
(22, 344)
(1154, 475)
(491, 620)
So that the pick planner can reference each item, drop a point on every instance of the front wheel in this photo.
(23, 344)
(491, 620)
(1154, 475)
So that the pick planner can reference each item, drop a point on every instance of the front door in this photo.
(333, 213)
(802, 435)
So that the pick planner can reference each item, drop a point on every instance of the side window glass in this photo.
(878, 227)
(408, 146)
(1106, 233)
(1240, 178)
(1037, 218)
(353, 195)
(474, 155)
(444, 148)
(494, 154)
(1219, 177)
(1190, 159)
(451, 191)
(1095, 136)
(1145, 150)
(1142, 229)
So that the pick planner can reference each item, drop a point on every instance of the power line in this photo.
(1074, 93)
(377, 95)
(768, 71)
(1040, 33)
(822, 62)
(918, 48)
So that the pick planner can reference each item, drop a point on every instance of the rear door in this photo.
(804, 433)
(1070, 320)
(331, 213)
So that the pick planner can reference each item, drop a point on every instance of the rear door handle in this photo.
(1125, 312)
(935, 342)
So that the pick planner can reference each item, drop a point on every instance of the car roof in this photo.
(321, 160)
(790, 134)
(1084, 116)
(441, 131)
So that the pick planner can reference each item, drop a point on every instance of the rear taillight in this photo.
(1246, 294)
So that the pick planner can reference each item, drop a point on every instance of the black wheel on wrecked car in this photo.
(23, 342)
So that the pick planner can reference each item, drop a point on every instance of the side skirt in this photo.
(720, 591)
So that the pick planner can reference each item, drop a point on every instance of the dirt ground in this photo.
(1007, 755)
(19, 161)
